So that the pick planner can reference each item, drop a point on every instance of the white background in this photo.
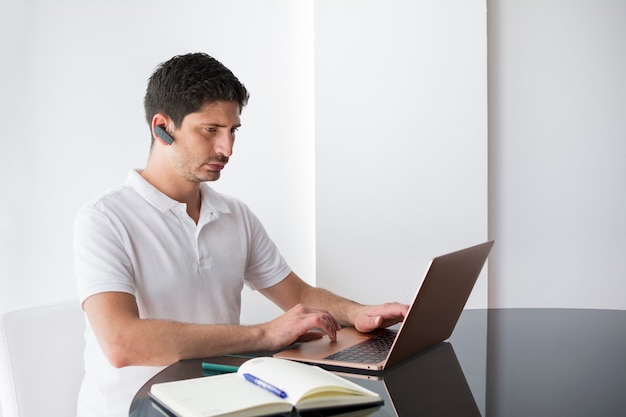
(368, 145)
(395, 96)
(557, 135)
(401, 142)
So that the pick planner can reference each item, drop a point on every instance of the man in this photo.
(161, 260)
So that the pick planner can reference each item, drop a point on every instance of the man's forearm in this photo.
(126, 339)
(343, 309)
(158, 342)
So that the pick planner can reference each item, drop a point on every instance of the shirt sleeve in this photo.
(100, 262)
(266, 266)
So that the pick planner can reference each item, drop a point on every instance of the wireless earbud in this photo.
(166, 137)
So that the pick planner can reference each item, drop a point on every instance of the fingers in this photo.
(312, 318)
(380, 316)
(366, 324)
(310, 335)
(300, 323)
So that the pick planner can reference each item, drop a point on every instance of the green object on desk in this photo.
(219, 367)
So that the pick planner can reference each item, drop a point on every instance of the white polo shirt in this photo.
(137, 240)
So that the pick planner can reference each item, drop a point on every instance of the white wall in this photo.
(401, 142)
(558, 153)
(73, 124)
(73, 120)
(72, 80)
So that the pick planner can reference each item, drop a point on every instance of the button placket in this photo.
(189, 225)
(204, 257)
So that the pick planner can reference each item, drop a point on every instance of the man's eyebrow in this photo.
(220, 125)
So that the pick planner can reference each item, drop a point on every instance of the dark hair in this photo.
(185, 83)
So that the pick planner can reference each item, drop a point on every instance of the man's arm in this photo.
(126, 339)
(292, 291)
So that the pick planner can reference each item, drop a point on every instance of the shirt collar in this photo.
(211, 200)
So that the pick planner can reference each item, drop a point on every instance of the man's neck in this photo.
(176, 188)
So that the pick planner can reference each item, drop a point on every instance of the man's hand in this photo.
(296, 325)
(368, 318)
(328, 311)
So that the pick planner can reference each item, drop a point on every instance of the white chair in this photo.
(41, 359)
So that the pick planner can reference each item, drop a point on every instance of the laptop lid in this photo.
(431, 318)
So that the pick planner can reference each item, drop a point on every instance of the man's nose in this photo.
(224, 145)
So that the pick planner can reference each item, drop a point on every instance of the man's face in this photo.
(204, 141)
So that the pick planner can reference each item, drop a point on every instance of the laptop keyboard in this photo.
(371, 350)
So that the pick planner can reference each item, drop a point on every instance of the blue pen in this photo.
(271, 388)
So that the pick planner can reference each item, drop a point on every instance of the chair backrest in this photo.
(41, 358)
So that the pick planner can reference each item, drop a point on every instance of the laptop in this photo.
(430, 320)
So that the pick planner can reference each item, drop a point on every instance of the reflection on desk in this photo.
(511, 362)
(433, 384)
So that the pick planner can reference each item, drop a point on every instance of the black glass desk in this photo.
(508, 362)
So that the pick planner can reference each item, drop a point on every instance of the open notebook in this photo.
(263, 386)
(431, 318)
